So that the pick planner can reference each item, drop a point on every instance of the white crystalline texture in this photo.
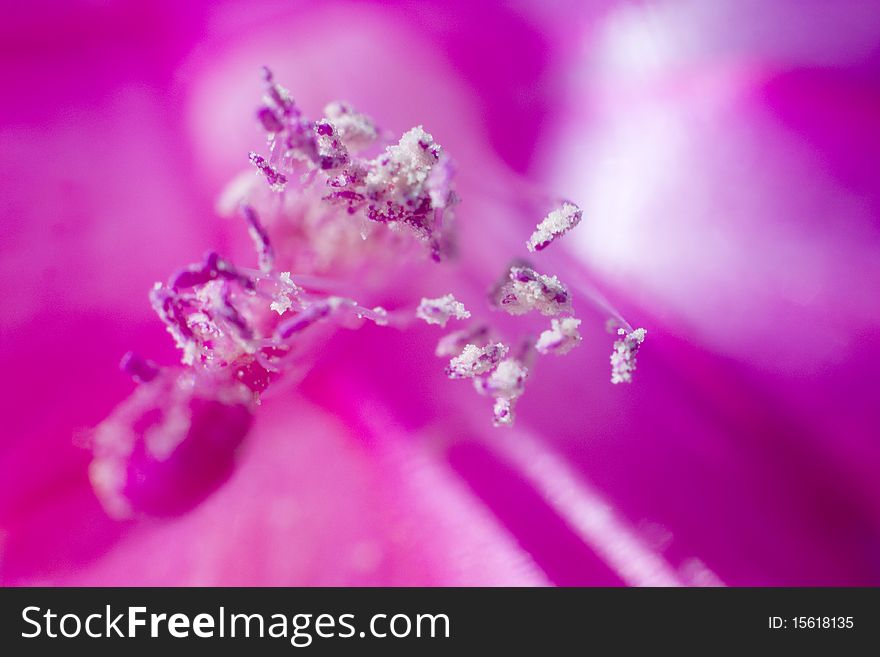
(494, 373)
(273, 176)
(405, 166)
(282, 301)
(474, 360)
(503, 413)
(507, 381)
(380, 316)
(204, 321)
(556, 223)
(408, 186)
(331, 151)
(505, 384)
(439, 311)
(356, 130)
(527, 290)
(623, 358)
(560, 338)
(281, 304)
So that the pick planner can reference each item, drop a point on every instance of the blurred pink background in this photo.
(726, 157)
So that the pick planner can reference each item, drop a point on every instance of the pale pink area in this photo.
(108, 195)
(282, 519)
(723, 169)
(727, 166)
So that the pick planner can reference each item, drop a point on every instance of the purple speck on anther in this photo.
(170, 308)
(269, 121)
(303, 320)
(260, 237)
(231, 314)
(211, 268)
(275, 178)
(278, 95)
(193, 276)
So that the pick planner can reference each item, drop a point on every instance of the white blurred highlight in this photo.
(645, 38)
(698, 201)
(594, 520)
(434, 491)
(443, 497)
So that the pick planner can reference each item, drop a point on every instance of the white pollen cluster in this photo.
(439, 311)
(474, 360)
(623, 358)
(380, 316)
(560, 338)
(356, 130)
(502, 412)
(406, 165)
(527, 290)
(408, 187)
(282, 301)
(506, 384)
(555, 224)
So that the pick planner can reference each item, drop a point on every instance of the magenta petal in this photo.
(311, 504)
(725, 160)
(170, 444)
